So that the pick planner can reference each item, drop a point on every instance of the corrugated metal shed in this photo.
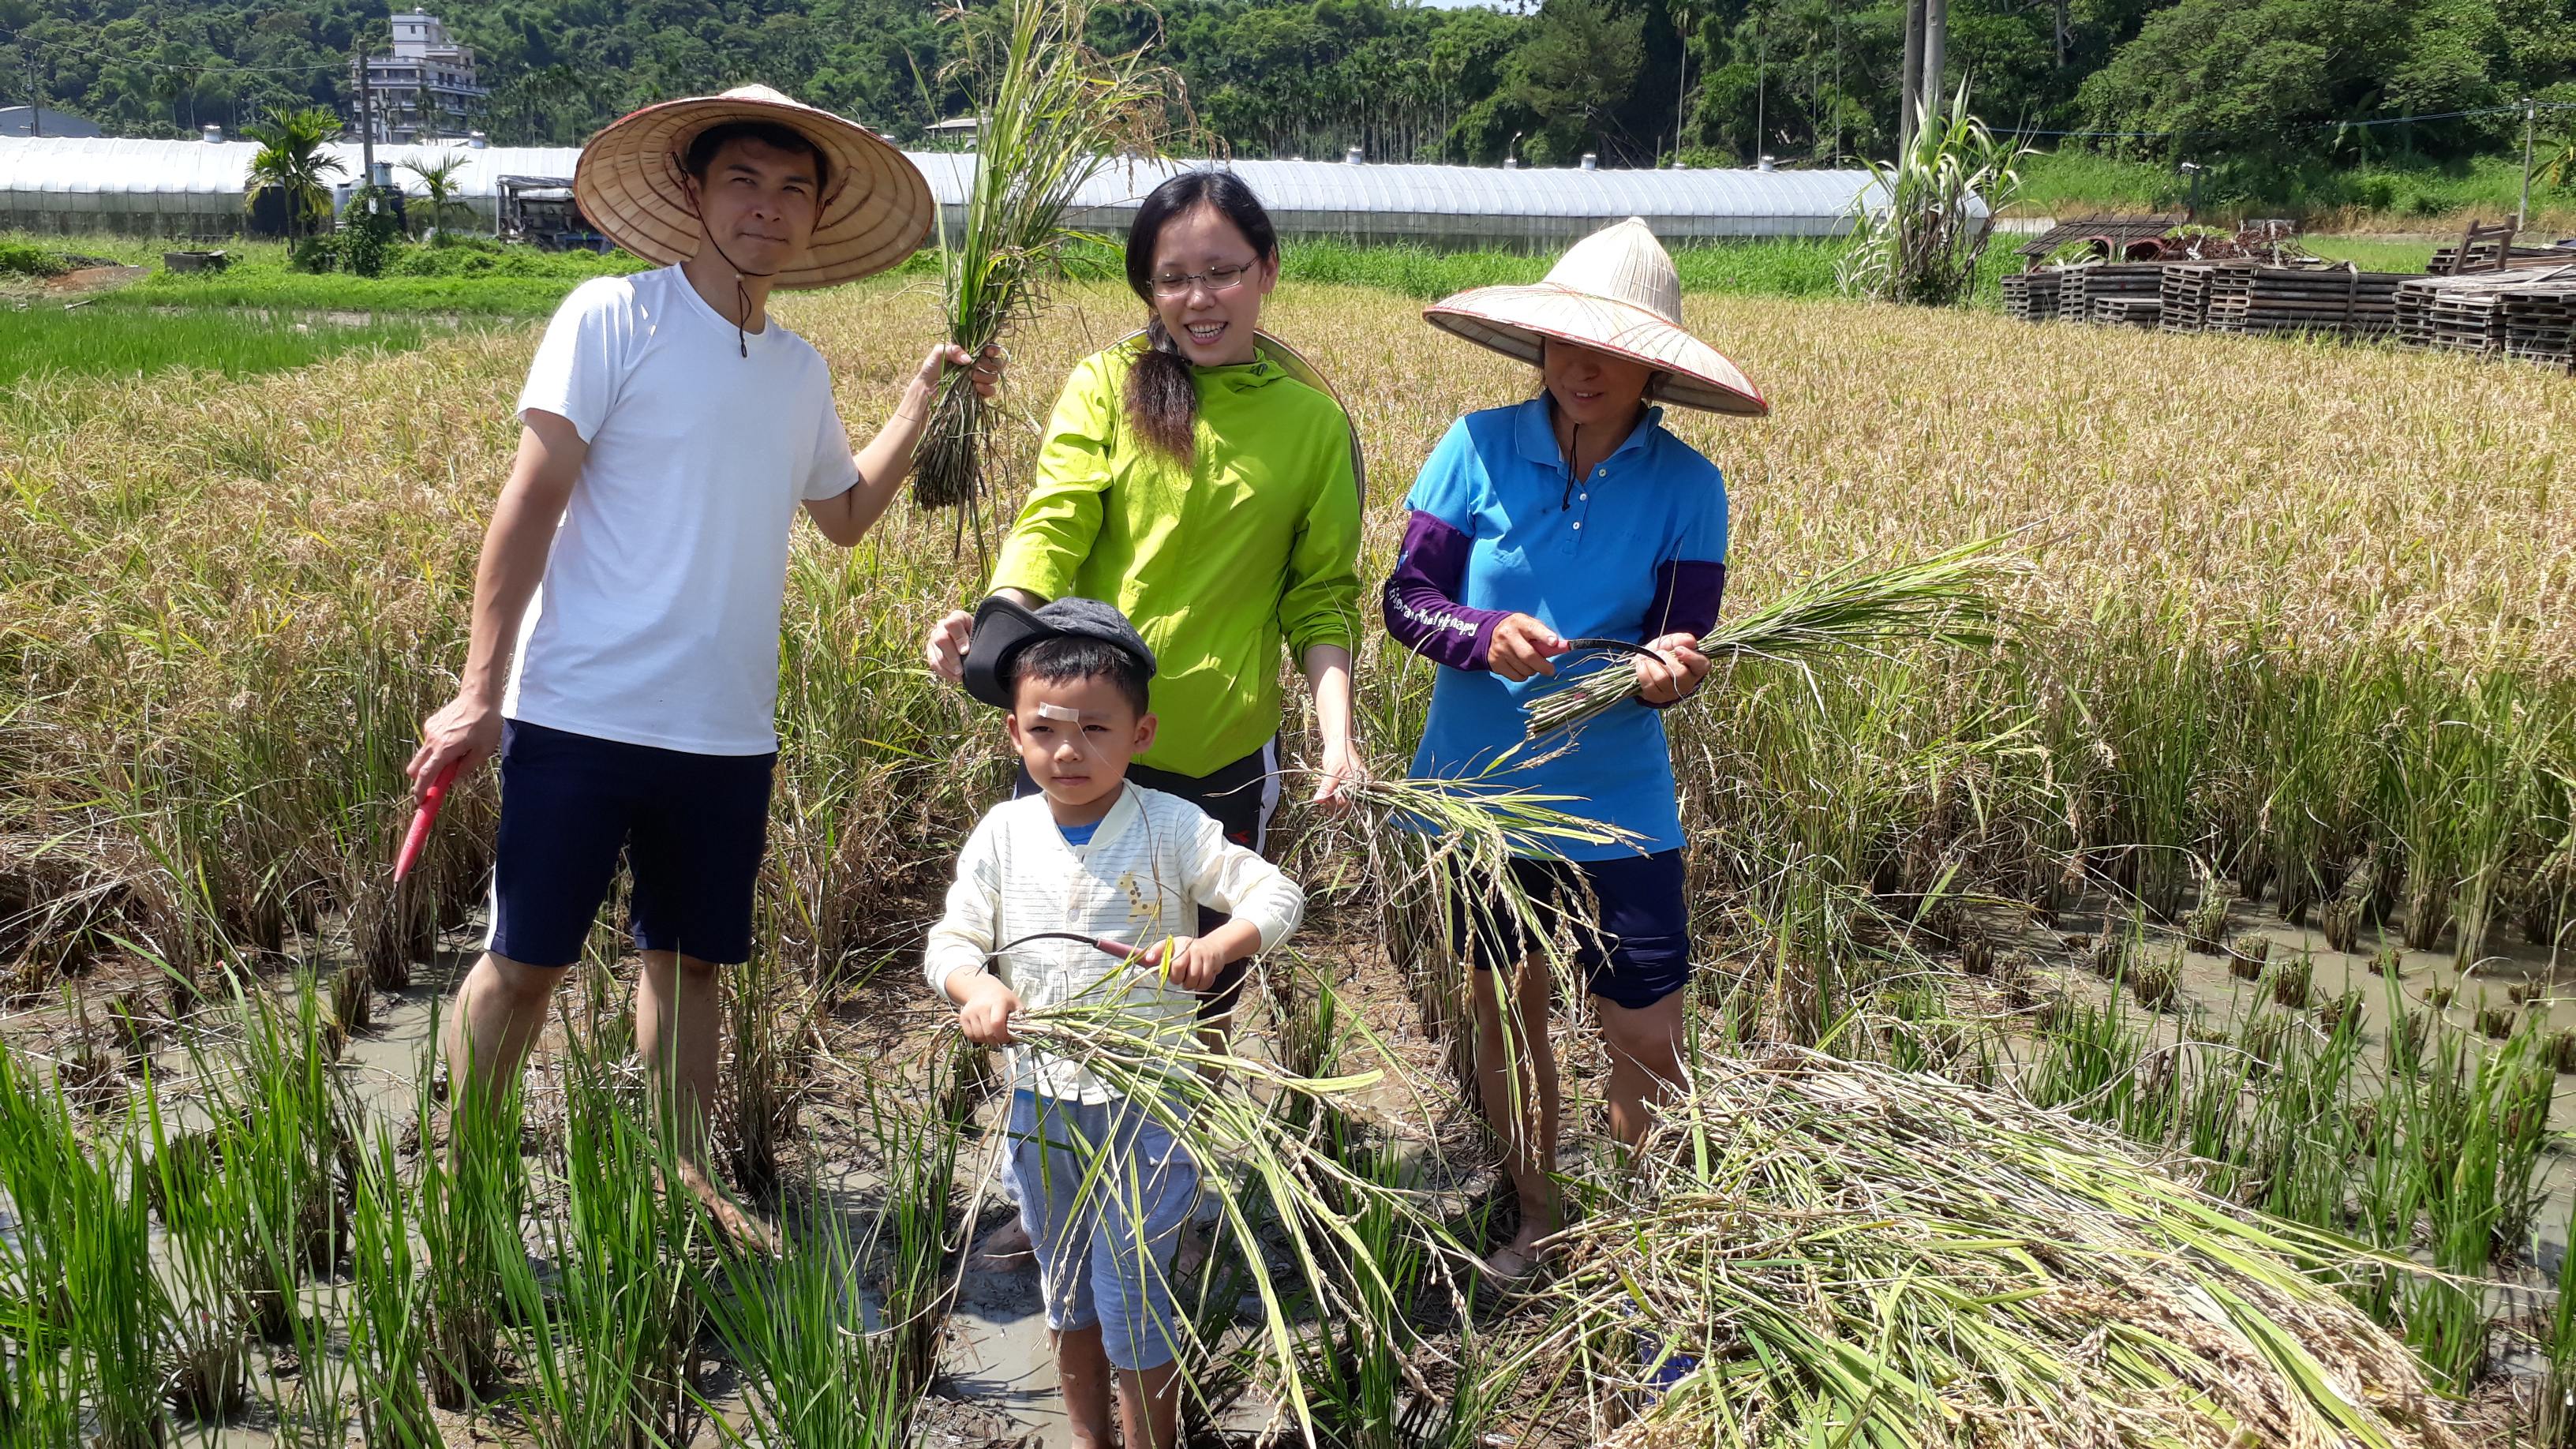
(194, 188)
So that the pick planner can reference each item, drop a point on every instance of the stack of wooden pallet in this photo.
(2539, 321)
(2184, 293)
(2337, 300)
(2031, 296)
(2085, 286)
(2473, 312)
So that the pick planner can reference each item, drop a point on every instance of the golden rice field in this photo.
(2295, 627)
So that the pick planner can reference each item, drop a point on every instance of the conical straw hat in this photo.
(876, 209)
(1616, 290)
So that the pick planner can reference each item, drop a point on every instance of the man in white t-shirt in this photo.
(624, 662)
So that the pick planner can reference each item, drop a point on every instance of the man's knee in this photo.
(689, 971)
(520, 985)
(1650, 1037)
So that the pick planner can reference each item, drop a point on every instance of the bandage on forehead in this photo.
(1047, 709)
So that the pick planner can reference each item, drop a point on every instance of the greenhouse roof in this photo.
(1306, 197)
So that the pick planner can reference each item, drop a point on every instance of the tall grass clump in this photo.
(1055, 114)
(1925, 224)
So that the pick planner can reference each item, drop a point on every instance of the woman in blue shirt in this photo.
(1573, 515)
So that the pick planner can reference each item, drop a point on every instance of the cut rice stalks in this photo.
(1055, 114)
(1838, 1253)
(1944, 599)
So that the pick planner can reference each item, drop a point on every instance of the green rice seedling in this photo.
(2247, 956)
(608, 1354)
(816, 1373)
(472, 1191)
(2263, 1036)
(1757, 1239)
(916, 1232)
(1945, 599)
(199, 1204)
(1055, 114)
(116, 1309)
(284, 1133)
(388, 1321)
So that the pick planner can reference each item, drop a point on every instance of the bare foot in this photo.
(1517, 1262)
(745, 1230)
(1005, 1247)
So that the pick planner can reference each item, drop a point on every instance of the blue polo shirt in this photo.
(1579, 555)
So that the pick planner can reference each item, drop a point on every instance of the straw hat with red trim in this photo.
(1618, 291)
(876, 208)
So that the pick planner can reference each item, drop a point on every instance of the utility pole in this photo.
(1910, 86)
(366, 120)
(1681, 96)
(1761, 87)
(2522, 213)
(1936, 34)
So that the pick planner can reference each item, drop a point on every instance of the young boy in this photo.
(1096, 856)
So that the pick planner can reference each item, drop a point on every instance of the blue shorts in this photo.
(691, 828)
(1637, 951)
(1103, 1191)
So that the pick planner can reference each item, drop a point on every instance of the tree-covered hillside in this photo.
(2261, 89)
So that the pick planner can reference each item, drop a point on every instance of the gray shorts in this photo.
(1103, 1222)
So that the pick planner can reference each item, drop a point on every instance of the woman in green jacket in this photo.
(1191, 478)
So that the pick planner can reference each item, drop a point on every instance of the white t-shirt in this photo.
(657, 623)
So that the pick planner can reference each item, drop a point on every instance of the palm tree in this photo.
(291, 160)
(438, 185)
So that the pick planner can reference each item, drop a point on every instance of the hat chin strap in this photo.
(741, 293)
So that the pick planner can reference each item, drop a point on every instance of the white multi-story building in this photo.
(426, 88)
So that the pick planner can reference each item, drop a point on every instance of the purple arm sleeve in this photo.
(1422, 608)
(1686, 596)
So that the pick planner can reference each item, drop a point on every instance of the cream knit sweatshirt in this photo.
(1152, 863)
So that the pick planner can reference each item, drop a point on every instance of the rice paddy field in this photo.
(2148, 1029)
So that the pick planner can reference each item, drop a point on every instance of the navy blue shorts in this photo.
(691, 827)
(1635, 954)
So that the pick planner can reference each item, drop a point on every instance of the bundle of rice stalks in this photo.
(1835, 1253)
(1943, 599)
(1055, 114)
(1309, 1227)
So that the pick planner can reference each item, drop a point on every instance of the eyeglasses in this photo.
(1217, 280)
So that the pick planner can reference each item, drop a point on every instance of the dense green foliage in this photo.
(2262, 89)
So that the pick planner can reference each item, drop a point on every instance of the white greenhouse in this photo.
(195, 189)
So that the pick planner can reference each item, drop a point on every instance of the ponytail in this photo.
(1162, 387)
(1163, 396)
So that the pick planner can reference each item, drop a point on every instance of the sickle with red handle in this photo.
(423, 817)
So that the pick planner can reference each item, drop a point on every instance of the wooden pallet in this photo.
(2468, 313)
(2126, 311)
(2085, 286)
(2031, 296)
(2184, 292)
(2338, 301)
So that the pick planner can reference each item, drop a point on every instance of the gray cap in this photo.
(1003, 629)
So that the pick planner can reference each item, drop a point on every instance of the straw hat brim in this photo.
(877, 209)
(1517, 321)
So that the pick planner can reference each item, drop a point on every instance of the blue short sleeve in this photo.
(1704, 531)
(1447, 488)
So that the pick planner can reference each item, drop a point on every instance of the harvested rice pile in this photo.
(1830, 1253)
